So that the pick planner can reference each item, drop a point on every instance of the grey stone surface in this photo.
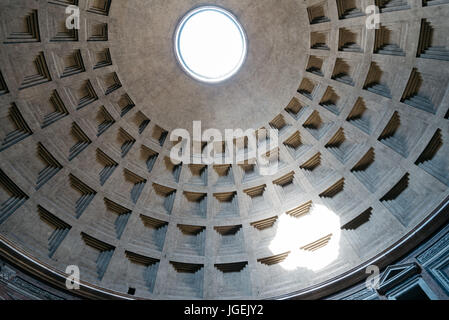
(42, 59)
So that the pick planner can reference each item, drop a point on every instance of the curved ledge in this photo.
(438, 218)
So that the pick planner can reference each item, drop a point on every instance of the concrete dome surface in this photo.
(358, 102)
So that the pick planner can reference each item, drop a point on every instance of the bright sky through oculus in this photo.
(210, 44)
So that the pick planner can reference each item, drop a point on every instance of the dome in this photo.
(348, 105)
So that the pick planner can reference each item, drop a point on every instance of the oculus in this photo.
(210, 44)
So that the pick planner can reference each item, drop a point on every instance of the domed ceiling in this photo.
(277, 46)
(360, 111)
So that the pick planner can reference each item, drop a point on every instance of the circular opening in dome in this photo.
(210, 44)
